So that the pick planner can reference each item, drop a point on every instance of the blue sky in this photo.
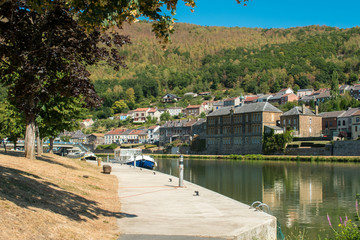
(272, 14)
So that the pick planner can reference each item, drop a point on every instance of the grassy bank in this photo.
(56, 198)
(266, 157)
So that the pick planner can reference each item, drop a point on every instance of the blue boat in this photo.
(134, 156)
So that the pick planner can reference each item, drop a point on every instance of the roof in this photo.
(87, 120)
(170, 95)
(152, 110)
(97, 134)
(357, 113)
(127, 132)
(247, 108)
(298, 111)
(179, 123)
(349, 112)
(276, 96)
(193, 106)
(331, 114)
(78, 134)
(136, 132)
(305, 90)
(117, 131)
(141, 109)
(251, 98)
(153, 127)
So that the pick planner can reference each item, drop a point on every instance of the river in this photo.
(300, 195)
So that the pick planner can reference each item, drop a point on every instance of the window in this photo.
(339, 123)
(357, 119)
(289, 121)
(343, 122)
(356, 129)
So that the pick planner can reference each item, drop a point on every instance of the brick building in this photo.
(303, 121)
(329, 123)
(239, 130)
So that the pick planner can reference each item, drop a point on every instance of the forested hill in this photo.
(214, 58)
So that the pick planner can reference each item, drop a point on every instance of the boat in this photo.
(90, 156)
(133, 157)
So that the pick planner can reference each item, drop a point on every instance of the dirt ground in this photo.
(56, 198)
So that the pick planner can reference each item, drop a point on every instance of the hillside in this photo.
(216, 58)
(56, 198)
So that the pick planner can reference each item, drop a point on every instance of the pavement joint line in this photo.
(148, 192)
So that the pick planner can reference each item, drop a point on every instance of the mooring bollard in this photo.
(181, 171)
(99, 161)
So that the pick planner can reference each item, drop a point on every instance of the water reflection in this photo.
(300, 194)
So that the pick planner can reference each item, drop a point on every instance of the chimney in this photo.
(316, 109)
(303, 108)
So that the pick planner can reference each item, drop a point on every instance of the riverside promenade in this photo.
(155, 208)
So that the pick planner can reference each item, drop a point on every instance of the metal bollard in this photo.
(181, 171)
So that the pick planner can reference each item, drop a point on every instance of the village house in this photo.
(78, 137)
(285, 91)
(251, 99)
(124, 136)
(303, 121)
(153, 134)
(176, 130)
(130, 114)
(264, 98)
(113, 136)
(154, 114)
(191, 94)
(140, 115)
(170, 98)
(304, 92)
(289, 97)
(344, 88)
(204, 93)
(193, 110)
(235, 101)
(329, 123)
(96, 139)
(208, 106)
(355, 128)
(123, 116)
(218, 104)
(174, 111)
(142, 135)
(239, 130)
(87, 123)
(345, 122)
(355, 91)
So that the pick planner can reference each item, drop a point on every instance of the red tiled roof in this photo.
(193, 106)
(141, 109)
(250, 99)
(153, 110)
(153, 127)
(357, 113)
(135, 132)
(116, 131)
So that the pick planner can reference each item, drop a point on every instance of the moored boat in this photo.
(134, 156)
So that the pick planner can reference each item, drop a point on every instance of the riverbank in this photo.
(354, 159)
(56, 198)
(156, 208)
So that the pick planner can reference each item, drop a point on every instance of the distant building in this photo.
(170, 98)
(345, 121)
(208, 106)
(174, 111)
(344, 88)
(190, 94)
(355, 91)
(204, 93)
(251, 99)
(193, 110)
(239, 130)
(303, 121)
(304, 92)
(153, 134)
(123, 116)
(113, 136)
(285, 91)
(235, 101)
(355, 128)
(96, 138)
(176, 130)
(329, 123)
(140, 115)
(87, 123)
(154, 114)
(289, 97)
(264, 98)
(78, 137)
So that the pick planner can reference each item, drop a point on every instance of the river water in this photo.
(300, 195)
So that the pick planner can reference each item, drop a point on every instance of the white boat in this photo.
(134, 156)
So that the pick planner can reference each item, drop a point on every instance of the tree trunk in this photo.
(30, 137)
(39, 143)
(51, 147)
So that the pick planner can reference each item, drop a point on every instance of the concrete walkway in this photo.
(154, 208)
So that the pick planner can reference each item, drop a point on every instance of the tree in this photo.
(43, 53)
(335, 84)
(165, 116)
(12, 123)
(119, 106)
(130, 96)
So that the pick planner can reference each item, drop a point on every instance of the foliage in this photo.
(347, 229)
(65, 138)
(198, 144)
(12, 122)
(165, 116)
(273, 143)
(119, 106)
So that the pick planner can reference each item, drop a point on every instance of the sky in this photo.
(272, 14)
